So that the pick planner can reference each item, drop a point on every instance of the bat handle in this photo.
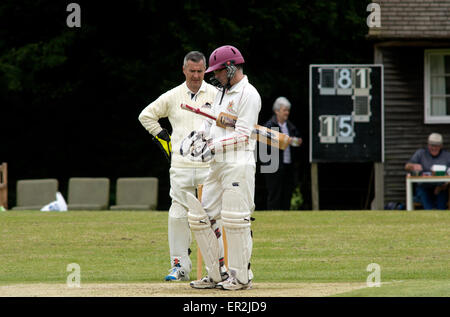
(189, 108)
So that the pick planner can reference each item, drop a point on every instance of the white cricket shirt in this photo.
(182, 121)
(241, 100)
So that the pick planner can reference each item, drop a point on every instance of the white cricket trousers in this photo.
(223, 176)
(228, 194)
(182, 180)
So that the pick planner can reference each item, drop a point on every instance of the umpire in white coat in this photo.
(185, 174)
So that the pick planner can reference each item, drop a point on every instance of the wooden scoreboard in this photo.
(346, 119)
(346, 113)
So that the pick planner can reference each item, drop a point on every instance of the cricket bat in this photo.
(259, 133)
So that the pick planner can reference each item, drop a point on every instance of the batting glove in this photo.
(190, 142)
(202, 151)
(164, 143)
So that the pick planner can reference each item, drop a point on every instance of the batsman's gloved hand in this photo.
(189, 142)
(203, 151)
(164, 143)
(196, 147)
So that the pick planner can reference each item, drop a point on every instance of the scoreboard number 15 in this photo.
(336, 129)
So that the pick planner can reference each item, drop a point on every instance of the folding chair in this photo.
(33, 194)
(136, 193)
(87, 193)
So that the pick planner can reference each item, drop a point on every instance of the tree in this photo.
(71, 96)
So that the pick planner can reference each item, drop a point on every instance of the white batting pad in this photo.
(179, 236)
(236, 221)
(205, 236)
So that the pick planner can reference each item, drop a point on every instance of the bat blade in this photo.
(260, 133)
(271, 137)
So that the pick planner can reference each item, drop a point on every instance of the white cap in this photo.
(435, 139)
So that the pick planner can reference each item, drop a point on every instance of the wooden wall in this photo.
(405, 131)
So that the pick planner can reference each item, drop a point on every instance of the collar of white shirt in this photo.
(202, 88)
(236, 88)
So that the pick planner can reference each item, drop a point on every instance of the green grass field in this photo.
(411, 248)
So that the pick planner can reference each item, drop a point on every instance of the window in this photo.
(437, 86)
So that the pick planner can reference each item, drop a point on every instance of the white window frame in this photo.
(428, 118)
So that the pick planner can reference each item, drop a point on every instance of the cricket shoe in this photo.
(177, 273)
(232, 284)
(207, 282)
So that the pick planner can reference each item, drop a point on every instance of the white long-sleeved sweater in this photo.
(182, 121)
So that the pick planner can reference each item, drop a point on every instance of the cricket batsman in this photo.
(185, 174)
(228, 191)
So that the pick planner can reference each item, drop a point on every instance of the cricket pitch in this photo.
(177, 289)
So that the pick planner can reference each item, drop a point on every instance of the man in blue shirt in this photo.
(430, 195)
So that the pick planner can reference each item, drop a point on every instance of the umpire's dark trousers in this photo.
(280, 186)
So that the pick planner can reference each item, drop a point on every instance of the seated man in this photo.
(430, 195)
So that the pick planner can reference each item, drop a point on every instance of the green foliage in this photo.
(297, 199)
(10, 79)
(26, 68)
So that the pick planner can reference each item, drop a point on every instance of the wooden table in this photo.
(420, 179)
